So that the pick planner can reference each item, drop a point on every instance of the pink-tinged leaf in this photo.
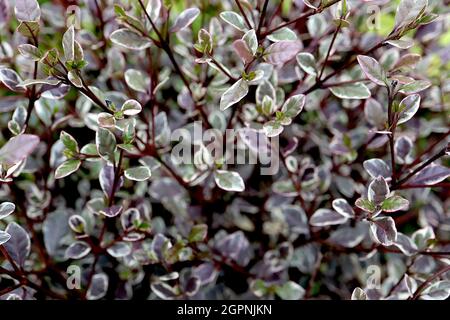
(129, 39)
(11, 80)
(326, 217)
(185, 19)
(342, 207)
(235, 247)
(403, 147)
(77, 250)
(377, 167)
(112, 211)
(378, 190)
(27, 10)
(18, 148)
(401, 44)
(106, 178)
(373, 70)
(19, 245)
(242, 50)
(407, 61)
(384, 230)
(5, 13)
(282, 51)
(347, 236)
(98, 287)
(405, 244)
(430, 175)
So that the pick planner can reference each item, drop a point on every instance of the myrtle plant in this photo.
(245, 149)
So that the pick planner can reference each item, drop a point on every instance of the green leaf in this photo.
(259, 288)
(267, 106)
(79, 56)
(14, 127)
(106, 144)
(307, 62)
(408, 11)
(415, 87)
(344, 8)
(140, 173)
(129, 39)
(341, 22)
(89, 149)
(427, 18)
(351, 91)
(106, 120)
(30, 52)
(282, 34)
(366, 205)
(137, 80)
(131, 107)
(198, 233)
(50, 58)
(251, 41)
(129, 21)
(294, 105)
(229, 180)
(290, 291)
(273, 128)
(75, 79)
(359, 294)
(128, 147)
(423, 238)
(28, 29)
(234, 20)
(373, 70)
(408, 108)
(18, 120)
(185, 19)
(205, 42)
(234, 94)
(129, 132)
(32, 82)
(66, 168)
(394, 203)
(68, 44)
(69, 142)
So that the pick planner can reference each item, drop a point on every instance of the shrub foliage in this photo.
(349, 98)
